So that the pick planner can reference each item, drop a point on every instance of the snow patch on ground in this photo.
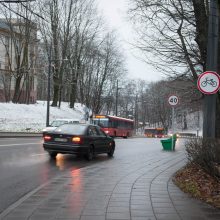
(32, 117)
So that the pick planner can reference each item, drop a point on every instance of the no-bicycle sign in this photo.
(208, 82)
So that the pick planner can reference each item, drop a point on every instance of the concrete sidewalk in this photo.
(116, 189)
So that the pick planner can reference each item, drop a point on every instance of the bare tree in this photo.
(175, 32)
(85, 31)
(71, 27)
(104, 65)
(168, 30)
(20, 44)
(56, 34)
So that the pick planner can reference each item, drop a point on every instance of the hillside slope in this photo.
(32, 117)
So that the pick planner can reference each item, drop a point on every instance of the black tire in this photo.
(90, 154)
(111, 151)
(125, 137)
(52, 155)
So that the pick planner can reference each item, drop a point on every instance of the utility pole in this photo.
(116, 100)
(209, 104)
(136, 113)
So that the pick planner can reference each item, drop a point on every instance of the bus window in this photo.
(114, 126)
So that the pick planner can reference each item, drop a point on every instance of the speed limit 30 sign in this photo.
(173, 100)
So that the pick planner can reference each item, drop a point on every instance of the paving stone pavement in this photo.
(137, 189)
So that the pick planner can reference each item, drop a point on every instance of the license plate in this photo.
(60, 139)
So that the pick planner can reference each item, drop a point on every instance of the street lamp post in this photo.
(48, 94)
(48, 87)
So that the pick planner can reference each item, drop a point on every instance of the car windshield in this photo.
(57, 123)
(75, 129)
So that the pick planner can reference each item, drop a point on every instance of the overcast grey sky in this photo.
(114, 12)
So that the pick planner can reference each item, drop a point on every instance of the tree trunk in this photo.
(56, 87)
(55, 37)
(73, 93)
(17, 90)
(201, 18)
(55, 92)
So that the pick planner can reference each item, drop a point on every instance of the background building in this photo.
(18, 53)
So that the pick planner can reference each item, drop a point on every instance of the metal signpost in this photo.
(209, 104)
(173, 101)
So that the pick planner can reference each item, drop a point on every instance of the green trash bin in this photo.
(167, 144)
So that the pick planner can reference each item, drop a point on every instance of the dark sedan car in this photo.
(82, 139)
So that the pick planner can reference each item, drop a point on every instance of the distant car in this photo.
(82, 139)
(57, 122)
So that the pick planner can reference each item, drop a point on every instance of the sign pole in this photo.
(172, 127)
(209, 105)
(173, 100)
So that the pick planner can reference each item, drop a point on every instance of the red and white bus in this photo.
(114, 126)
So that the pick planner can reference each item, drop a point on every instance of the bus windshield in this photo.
(102, 122)
(160, 132)
(154, 132)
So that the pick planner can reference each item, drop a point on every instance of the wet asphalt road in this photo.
(24, 165)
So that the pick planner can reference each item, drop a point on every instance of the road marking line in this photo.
(8, 145)
(34, 155)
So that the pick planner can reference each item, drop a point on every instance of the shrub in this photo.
(206, 153)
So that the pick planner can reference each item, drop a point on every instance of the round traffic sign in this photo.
(208, 82)
(173, 100)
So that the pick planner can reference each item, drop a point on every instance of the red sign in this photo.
(208, 82)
